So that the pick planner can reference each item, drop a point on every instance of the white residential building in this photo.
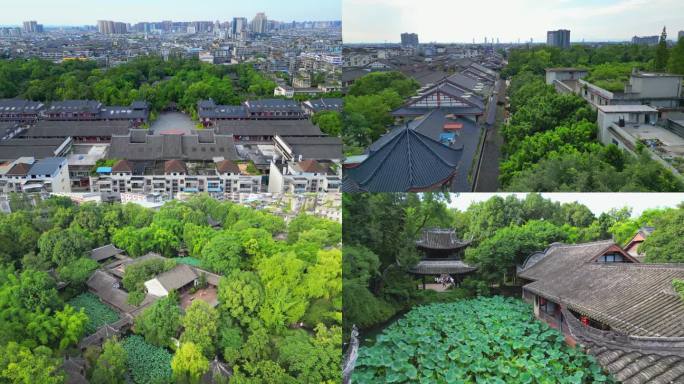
(304, 176)
(225, 178)
(50, 174)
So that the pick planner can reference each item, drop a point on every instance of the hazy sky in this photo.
(81, 12)
(596, 202)
(509, 20)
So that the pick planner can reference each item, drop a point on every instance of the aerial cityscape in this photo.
(342, 191)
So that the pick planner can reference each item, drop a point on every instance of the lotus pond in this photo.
(484, 340)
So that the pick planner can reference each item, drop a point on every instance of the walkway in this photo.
(488, 176)
(176, 122)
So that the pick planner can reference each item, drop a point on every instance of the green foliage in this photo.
(536, 59)
(60, 247)
(31, 312)
(135, 275)
(625, 228)
(157, 81)
(189, 261)
(188, 364)
(285, 297)
(195, 237)
(135, 298)
(551, 145)
(678, 286)
(676, 63)
(662, 55)
(311, 360)
(303, 223)
(240, 295)
(110, 367)
(262, 372)
(370, 100)
(77, 272)
(379, 245)
(330, 122)
(492, 340)
(71, 326)
(665, 244)
(301, 278)
(21, 365)
(102, 163)
(17, 237)
(146, 363)
(200, 324)
(230, 341)
(98, 313)
(160, 322)
(497, 256)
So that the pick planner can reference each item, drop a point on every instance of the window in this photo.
(611, 258)
(548, 307)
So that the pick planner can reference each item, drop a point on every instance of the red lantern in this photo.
(584, 320)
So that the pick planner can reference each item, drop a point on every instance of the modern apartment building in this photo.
(559, 38)
(173, 176)
(27, 174)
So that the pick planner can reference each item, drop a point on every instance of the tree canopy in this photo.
(152, 79)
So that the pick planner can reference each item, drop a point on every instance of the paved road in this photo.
(470, 139)
(176, 121)
(491, 155)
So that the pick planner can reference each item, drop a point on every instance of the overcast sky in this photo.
(596, 202)
(82, 12)
(462, 20)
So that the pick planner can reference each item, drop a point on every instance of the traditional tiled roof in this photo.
(454, 92)
(198, 145)
(19, 169)
(178, 277)
(106, 287)
(104, 252)
(632, 298)
(560, 258)
(311, 166)
(410, 111)
(406, 161)
(70, 106)
(122, 166)
(101, 128)
(314, 147)
(268, 128)
(325, 104)
(636, 367)
(20, 106)
(175, 166)
(438, 267)
(227, 166)
(437, 238)
(15, 148)
(463, 81)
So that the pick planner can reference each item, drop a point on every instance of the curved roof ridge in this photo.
(422, 138)
(395, 142)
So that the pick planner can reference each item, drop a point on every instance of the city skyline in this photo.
(461, 22)
(51, 13)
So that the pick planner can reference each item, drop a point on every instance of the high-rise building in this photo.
(559, 38)
(259, 23)
(237, 26)
(409, 39)
(32, 27)
(646, 40)
(109, 27)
